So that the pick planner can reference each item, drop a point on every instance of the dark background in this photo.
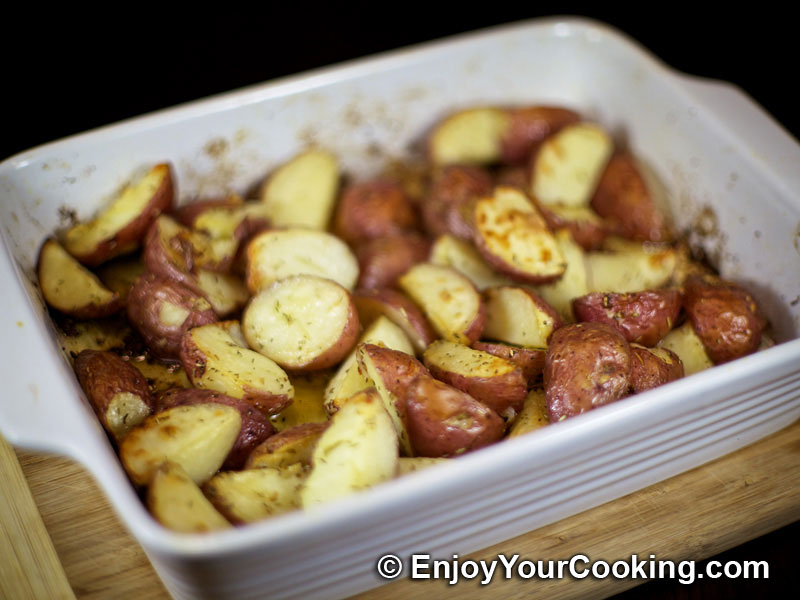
(66, 71)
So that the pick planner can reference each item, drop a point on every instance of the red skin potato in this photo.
(256, 428)
(175, 261)
(187, 214)
(589, 235)
(102, 375)
(642, 317)
(145, 300)
(399, 309)
(396, 368)
(444, 421)
(373, 209)
(287, 437)
(194, 363)
(622, 196)
(383, 259)
(587, 365)
(448, 205)
(529, 127)
(129, 237)
(725, 317)
(649, 371)
(530, 360)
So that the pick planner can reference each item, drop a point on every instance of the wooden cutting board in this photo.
(692, 516)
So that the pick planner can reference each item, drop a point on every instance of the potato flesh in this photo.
(569, 164)
(124, 412)
(358, 450)
(406, 465)
(254, 494)
(197, 437)
(306, 407)
(684, 342)
(67, 285)
(463, 360)
(302, 192)
(630, 267)
(348, 380)
(234, 370)
(447, 298)
(533, 415)
(225, 292)
(513, 317)
(515, 234)
(449, 251)
(574, 283)
(472, 136)
(178, 504)
(296, 319)
(85, 237)
(275, 255)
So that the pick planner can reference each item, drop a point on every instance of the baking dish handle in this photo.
(759, 133)
(41, 407)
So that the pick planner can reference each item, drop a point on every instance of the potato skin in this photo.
(444, 421)
(146, 300)
(383, 259)
(448, 205)
(371, 209)
(294, 436)
(622, 196)
(725, 317)
(398, 308)
(649, 370)
(102, 376)
(642, 317)
(188, 213)
(587, 365)
(530, 360)
(256, 428)
(397, 369)
(528, 127)
(176, 262)
(588, 234)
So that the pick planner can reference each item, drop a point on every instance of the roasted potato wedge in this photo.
(519, 316)
(625, 266)
(162, 311)
(642, 317)
(652, 367)
(255, 426)
(622, 195)
(449, 251)
(255, 494)
(290, 446)
(391, 372)
(303, 323)
(471, 137)
(398, 308)
(187, 214)
(449, 204)
(533, 415)
(568, 165)
(117, 391)
(444, 421)
(348, 379)
(70, 288)
(530, 360)
(494, 381)
(178, 504)
(406, 465)
(588, 229)
(528, 127)
(358, 450)
(448, 299)
(513, 237)
(277, 254)
(198, 437)
(215, 360)
(573, 283)
(725, 317)
(587, 365)
(684, 342)
(371, 209)
(120, 275)
(302, 192)
(383, 260)
(121, 226)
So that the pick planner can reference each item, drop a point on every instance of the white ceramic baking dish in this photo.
(712, 147)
